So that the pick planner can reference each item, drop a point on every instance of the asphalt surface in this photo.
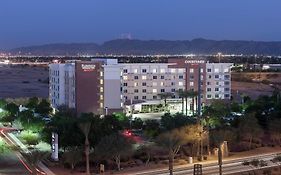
(10, 164)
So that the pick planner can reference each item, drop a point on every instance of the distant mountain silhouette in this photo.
(141, 47)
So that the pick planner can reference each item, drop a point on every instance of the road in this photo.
(12, 163)
(229, 167)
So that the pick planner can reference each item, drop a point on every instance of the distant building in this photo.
(104, 85)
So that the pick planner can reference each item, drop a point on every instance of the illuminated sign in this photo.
(194, 61)
(88, 67)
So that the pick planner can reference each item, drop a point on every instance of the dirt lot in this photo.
(23, 81)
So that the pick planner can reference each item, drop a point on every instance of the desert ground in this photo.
(23, 81)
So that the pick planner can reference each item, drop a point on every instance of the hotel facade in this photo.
(105, 86)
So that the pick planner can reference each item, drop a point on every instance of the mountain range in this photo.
(144, 47)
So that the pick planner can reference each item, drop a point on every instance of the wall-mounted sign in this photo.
(88, 67)
(194, 61)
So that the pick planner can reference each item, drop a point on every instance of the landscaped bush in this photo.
(29, 138)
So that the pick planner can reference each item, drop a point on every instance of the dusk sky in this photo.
(32, 22)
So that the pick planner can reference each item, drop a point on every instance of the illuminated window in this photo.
(162, 84)
(162, 71)
(191, 83)
(101, 81)
(180, 83)
(226, 70)
(101, 89)
(191, 70)
(143, 77)
(125, 77)
(154, 84)
(101, 105)
(154, 90)
(135, 84)
(173, 70)
(101, 97)
(180, 70)
(154, 70)
(101, 74)
(216, 70)
(135, 70)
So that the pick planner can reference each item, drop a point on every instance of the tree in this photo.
(32, 103)
(172, 141)
(275, 130)
(114, 147)
(85, 127)
(12, 108)
(151, 128)
(72, 156)
(184, 95)
(165, 96)
(3, 103)
(193, 95)
(43, 108)
(249, 128)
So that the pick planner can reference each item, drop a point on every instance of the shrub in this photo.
(29, 138)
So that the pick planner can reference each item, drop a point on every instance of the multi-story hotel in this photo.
(103, 85)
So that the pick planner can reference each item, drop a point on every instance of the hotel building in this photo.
(104, 85)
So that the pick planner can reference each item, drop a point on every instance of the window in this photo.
(101, 105)
(191, 77)
(136, 77)
(162, 90)
(154, 70)
(144, 84)
(143, 77)
(173, 90)
(101, 97)
(226, 70)
(226, 95)
(226, 89)
(162, 71)
(154, 90)
(180, 76)
(216, 70)
(144, 91)
(125, 84)
(201, 70)
(217, 76)
(217, 96)
(154, 77)
(180, 70)
(143, 97)
(101, 73)
(154, 97)
(136, 97)
(125, 91)
(226, 83)
(162, 77)
(216, 89)
(209, 89)
(180, 83)
(208, 83)
(101, 81)
(154, 83)
(217, 83)
(191, 70)
(173, 70)
(135, 70)
(125, 71)
(161, 83)
(172, 83)
(226, 77)
(209, 96)
(136, 91)
(136, 84)
(191, 83)
(210, 76)
(209, 70)
(143, 70)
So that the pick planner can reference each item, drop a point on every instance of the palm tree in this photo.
(193, 95)
(165, 96)
(184, 95)
(85, 128)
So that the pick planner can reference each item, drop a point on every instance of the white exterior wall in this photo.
(146, 87)
(218, 81)
(62, 85)
(112, 87)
